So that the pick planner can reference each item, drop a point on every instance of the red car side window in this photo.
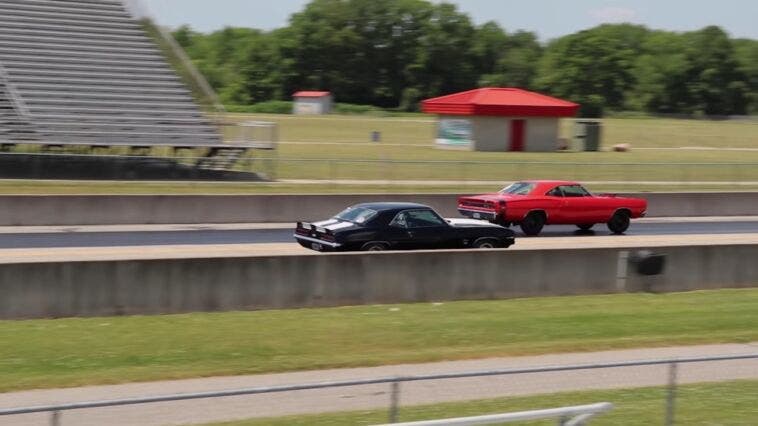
(574, 191)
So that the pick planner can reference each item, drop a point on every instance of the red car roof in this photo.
(551, 183)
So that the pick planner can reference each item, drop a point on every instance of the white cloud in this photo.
(613, 14)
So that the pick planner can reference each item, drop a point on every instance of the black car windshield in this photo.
(518, 188)
(358, 215)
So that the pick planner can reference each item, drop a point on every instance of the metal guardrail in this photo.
(576, 415)
(395, 382)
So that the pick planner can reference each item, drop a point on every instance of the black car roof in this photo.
(385, 206)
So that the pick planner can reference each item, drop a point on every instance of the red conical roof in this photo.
(501, 101)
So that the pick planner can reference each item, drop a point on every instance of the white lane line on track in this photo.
(284, 225)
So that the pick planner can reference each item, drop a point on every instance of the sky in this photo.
(547, 18)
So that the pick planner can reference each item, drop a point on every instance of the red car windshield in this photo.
(518, 188)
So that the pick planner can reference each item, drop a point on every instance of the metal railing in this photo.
(15, 99)
(176, 55)
(395, 388)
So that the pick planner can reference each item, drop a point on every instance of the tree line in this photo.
(394, 53)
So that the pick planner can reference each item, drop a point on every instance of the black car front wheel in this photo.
(374, 246)
(486, 243)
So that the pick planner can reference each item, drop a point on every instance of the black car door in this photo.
(424, 229)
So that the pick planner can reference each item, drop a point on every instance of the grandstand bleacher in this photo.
(85, 72)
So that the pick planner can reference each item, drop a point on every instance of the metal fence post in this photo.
(55, 418)
(394, 401)
(332, 172)
(671, 397)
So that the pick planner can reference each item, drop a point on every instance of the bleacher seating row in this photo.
(84, 72)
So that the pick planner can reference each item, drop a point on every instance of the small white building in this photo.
(312, 102)
(498, 119)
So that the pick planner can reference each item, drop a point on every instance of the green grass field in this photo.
(420, 130)
(334, 147)
(407, 149)
(85, 351)
(708, 404)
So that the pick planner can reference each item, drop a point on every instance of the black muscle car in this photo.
(398, 226)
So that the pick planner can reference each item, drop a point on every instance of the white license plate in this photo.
(316, 246)
(477, 216)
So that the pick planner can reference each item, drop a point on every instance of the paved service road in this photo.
(377, 396)
(71, 236)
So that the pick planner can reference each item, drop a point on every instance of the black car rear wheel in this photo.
(486, 243)
(374, 246)
(619, 223)
(533, 223)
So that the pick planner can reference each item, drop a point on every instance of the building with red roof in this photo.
(499, 119)
(309, 102)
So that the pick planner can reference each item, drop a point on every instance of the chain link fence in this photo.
(267, 166)
(686, 391)
(343, 170)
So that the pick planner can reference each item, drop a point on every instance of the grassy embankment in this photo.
(85, 351)
(345, 141)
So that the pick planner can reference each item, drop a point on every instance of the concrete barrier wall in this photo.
(102, 288)
(168, 209)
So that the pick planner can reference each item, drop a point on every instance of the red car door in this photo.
(578, 206)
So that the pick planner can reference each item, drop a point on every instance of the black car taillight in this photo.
(302, 229)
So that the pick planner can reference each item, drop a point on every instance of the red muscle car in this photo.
(533, 204)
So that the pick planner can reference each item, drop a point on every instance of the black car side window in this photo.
(422, 218)
(555, 192)
(399, 221)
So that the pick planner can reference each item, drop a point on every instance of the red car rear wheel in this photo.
(533, 223)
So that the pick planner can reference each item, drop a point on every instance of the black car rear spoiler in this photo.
(313, 228)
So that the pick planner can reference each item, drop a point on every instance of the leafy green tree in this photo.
(714, 81)
(394, 53)
(444, 60)
(746, 53)
(592, 67)
(660, 71)
(488, 45)
(517, 62)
